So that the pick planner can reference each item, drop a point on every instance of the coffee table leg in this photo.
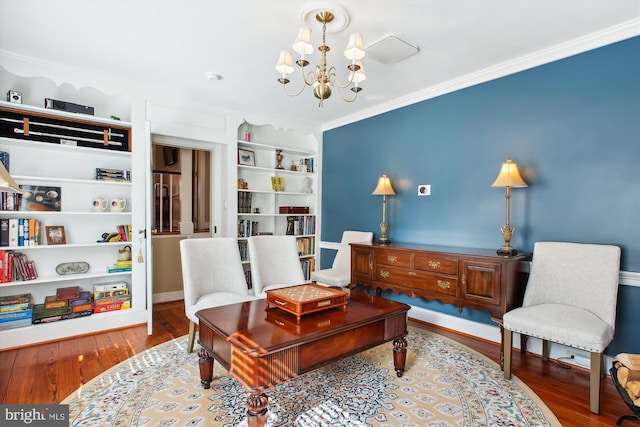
(206, 368)
(399, 355)
(257, 409)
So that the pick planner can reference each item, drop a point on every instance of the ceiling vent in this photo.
(390, 49)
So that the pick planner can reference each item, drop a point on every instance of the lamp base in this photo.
(383, 241)
(507, 251)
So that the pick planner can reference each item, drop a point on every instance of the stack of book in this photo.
(120, 267)
(67, 303)
(16, 311)
(111, 296)
(104, 174)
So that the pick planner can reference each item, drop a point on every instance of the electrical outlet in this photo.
(424, 190)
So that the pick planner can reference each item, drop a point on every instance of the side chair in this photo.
(212, 276)
(274, 263)
(340, 272)
(570, 299)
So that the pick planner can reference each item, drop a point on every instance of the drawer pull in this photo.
(434, 264)
(384, 273)
(392, 258)
(444, 284)
(412, 273)
(464, 279)
(280, 302)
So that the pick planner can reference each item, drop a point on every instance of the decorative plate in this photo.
(76, 267)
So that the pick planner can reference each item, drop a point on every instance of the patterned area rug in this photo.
(445, 384)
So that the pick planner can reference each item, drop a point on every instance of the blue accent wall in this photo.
(573, 127)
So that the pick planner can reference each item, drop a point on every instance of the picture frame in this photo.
(246, 157)
(56, 235)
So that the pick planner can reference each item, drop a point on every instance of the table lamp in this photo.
(384, 189)
(508, 178)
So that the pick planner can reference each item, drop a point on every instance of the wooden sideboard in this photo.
(475, 278)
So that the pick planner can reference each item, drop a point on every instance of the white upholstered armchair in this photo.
(340, 272)
(212, 276)
(274, 263)
(571, 299)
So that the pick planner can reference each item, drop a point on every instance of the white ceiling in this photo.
(169, 45)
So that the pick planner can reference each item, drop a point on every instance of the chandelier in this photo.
(320, 78)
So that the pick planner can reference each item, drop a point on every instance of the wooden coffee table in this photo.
(262, 348)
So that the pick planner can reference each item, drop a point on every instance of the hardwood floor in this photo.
(48, 373)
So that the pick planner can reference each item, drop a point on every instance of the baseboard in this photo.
(168, 296)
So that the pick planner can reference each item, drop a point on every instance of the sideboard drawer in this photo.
(393, 258)
(426, 261)
(417, 280)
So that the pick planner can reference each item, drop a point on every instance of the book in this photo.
(16, 315)
(123, 304)
(98, 295)
(15, 299)
(111, 300)
(70, 292)
(4, 231)
(13, 231)
(109, 286)
(14, 307)
(52, 301)
(13, 324)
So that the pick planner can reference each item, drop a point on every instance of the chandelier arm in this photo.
(284, 89)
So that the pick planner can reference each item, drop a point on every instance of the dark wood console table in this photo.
(478, 279)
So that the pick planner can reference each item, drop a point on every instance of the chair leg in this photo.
(545, 350)
(192, 336)
(594, 382)
(507, 338)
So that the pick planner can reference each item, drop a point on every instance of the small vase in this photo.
(279, 158)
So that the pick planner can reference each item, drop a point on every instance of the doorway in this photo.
(182, 205)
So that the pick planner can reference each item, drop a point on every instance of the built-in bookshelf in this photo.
(84, 224)
(277, 189)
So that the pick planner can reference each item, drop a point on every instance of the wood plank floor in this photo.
(49, 372)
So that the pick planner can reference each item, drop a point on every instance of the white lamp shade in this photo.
(358, 76)
(509, 176)
(303, 45)
(285, 63)
(384, 187)
(354, 50)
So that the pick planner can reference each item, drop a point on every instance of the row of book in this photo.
(15, 266)
(247, 228)
(308, 265)
(304, 165)
(306, 245)
(10, 201)
(244, 201)
(125, 232)
(301, 225)
(105, 174)
(20, 232)
(17, 311)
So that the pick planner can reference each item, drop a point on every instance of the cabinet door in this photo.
(361, 265)
(480, 281)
